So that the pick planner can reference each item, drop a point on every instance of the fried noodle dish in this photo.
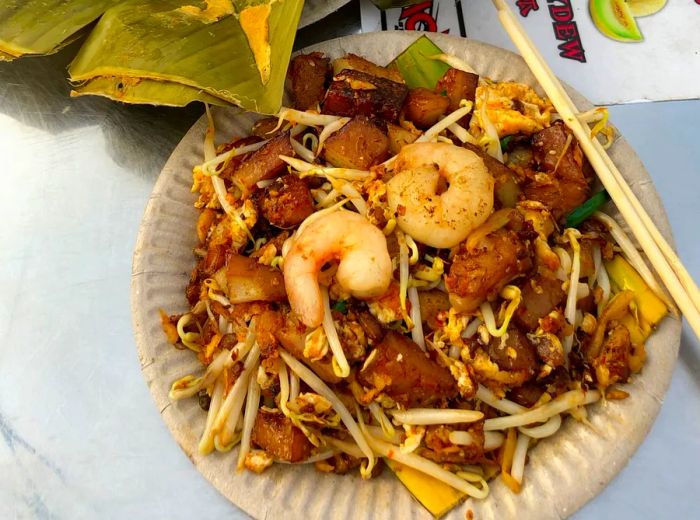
(416, 276)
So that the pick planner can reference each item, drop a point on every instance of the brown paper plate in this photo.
(315, 10)
(563, 472)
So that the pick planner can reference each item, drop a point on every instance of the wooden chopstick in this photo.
(667, 264)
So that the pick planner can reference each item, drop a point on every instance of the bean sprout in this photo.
(461, 438)
(347, 189)
(321, 388)
(424, 416)
(435, 130)
(493, 440)
(308, 169)
(425, 466)
(345, 446)
(302, 151)
(417, 330)
(564, 263)
(189, 385)
(509, 292)
(518, 467)
(284, 387)
(227, 418)
(570, 309)
(471, 328)
(312, 141)
(462, 134)
(341, 368)
(305, 118)
(403, 275)
(378, 413)
(206, 442)
(314, 458)
(503, 405)
(544, 430)
(633, 257)
(293, 385)
(454, 62)
(251, 412)
(542, 413)
(189, 339)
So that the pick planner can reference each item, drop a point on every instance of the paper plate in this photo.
(314, 10)
(563, 472)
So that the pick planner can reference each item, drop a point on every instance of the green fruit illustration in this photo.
(615, 20)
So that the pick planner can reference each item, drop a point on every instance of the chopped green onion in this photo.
(341, 306)
(585, 210)
(505, 142)
(415, 66)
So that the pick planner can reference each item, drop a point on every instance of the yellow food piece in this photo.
(254, 21)
(514, 108)
(436, 496)
(650, 309)
(169, 329)
(645, 7)
(215, 10)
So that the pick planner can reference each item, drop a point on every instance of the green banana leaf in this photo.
(31, 27)
(144, 91)
(165, 40)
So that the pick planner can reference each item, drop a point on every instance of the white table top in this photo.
(79, 434)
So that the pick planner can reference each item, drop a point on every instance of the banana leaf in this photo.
(144, 91)
(196, 44)
(33, 27)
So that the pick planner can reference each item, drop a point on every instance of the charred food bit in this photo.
(424, 107)
(359, 145)
(355, 93)
(309, 74)
(263, 164)
(401, 370)
(456, 86)
(275, 433)
(355, 62)
(286, 202)
(243, 279)
(561, 184)
(479, 275)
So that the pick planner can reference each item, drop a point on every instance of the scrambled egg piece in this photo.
(207, 196)
(456, 323)
(308, 402)
(512, 108)
(316, 345)
(268, 373)
(257, 461)
(312, 408)
(414, 436)
(378, 212)
(268, 253)
(240, 228)
(387, 308)
(465, 383)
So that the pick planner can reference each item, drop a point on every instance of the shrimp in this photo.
(437, 219)
(364, 264)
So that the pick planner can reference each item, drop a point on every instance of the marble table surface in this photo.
(79, 434)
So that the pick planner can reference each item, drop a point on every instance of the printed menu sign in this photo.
(613, 51)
